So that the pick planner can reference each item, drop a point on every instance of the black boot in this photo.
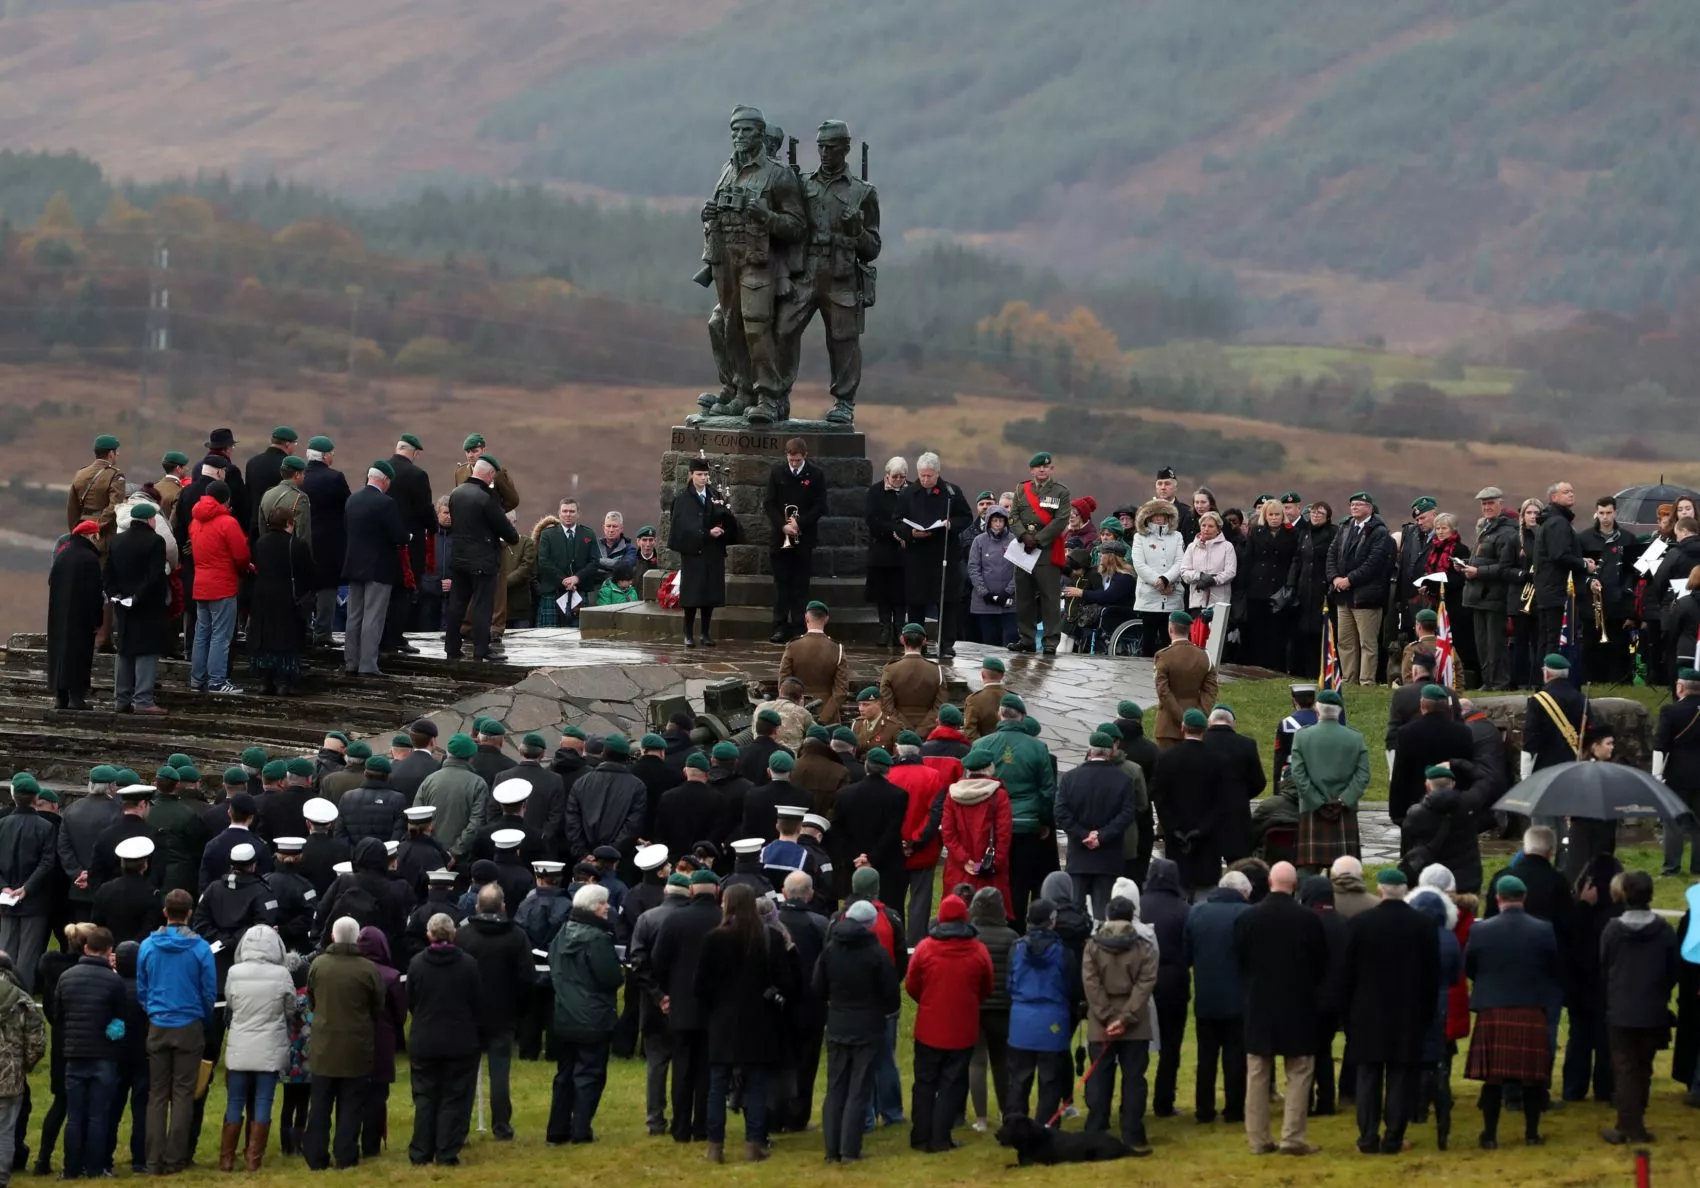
(1534, 1101)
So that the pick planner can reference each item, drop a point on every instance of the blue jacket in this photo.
(1512, 960)
(1040, 994)
(1208, 944)
(175, 982)
(1434, 906)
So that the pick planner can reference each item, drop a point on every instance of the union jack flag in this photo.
(1330, 678)
(1443, 650)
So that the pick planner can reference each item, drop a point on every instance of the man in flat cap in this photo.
(757, 210)
(1039, 519)
(1487, 592)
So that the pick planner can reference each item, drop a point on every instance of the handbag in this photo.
(989, 860)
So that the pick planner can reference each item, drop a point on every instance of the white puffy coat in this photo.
(1156, 554)
(261, 995)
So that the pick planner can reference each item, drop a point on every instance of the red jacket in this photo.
(1458, 996)
(973, 816)
(220, 550)
(925, 785)
(950, 975)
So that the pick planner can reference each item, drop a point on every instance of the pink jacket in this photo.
(1213, 557)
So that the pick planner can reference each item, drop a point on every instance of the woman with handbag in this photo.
(976, 826)
(282, 603)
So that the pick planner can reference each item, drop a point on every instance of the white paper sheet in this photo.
(1649, 560)
(7, 900)
(933, 527)
(1430, 577)
(1020, 557)
(1679, 586)
(569, 602)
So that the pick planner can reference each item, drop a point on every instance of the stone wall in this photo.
(1629, 720)
(605, 700)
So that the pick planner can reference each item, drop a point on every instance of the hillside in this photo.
(1397, 168)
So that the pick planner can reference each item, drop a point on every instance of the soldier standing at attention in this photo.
(502, 487)
(170, 485)
(1040, 515)
(843, 241)
(980, 709)
(96, 491)
(819, 663)
(911, 688)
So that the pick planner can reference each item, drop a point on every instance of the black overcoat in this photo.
(283, 575)
(702, 574)
(74, 604)
(135, 569)
(1390, 981)
(1283, 957)
(932, 563)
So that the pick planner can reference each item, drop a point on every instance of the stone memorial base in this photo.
(740, 457)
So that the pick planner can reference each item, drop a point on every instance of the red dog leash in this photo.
(1081, 1088)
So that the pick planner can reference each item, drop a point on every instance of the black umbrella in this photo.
(1639, 506)
(1594, 792)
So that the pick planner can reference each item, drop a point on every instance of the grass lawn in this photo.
(1273, 363)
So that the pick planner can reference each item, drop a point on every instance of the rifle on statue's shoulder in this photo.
(866, 273)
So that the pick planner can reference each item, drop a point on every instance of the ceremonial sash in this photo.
(1565, 729)
(1059, 554)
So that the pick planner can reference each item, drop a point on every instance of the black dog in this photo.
(1033, 1143)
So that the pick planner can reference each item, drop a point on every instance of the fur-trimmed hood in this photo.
(545, 522)
(1143, 516)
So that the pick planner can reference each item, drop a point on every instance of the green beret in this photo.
(697, 760)
(461, 746)
(253, 757)
(383, 468)
(871, 693)
(321, 443)
(293, 465)
(989, 664)
(178, 759)
(1688, 674)
(726, 752)
(401, 740)
(1428, 617)
(379, 764)
(1435, 693)
(1042, 458)
(49, 795)
(949, 715)
(572, 732)
(271, 773)
(411, 440)
(105, 773)
(914, 630)
(652, 742)
(1195, 718)
(127, 775)
(1391, 876)
(285, 433)
(1510, 885)
(1130, 710)
(703, 877)
(877, 757)
(235, 777)
(490, 459)
(979, 759)
(106, 442)
(490, 726)
(1424, 503)
(534, 741)
(1438, 773)
(1011, 701)
(1100, 741)
(818, 608)
(678, 879)
(844, 734)
(473, 441)
(165, 774)
(188, 773)
(24, 784)
(1329, 697)
(1111, 730)
(821, 733)
(1263, 499)
(1292, 497)
(908, 738)
(1555, 662)
(299, 766)
(983, 496)
(1180, 619)
(359, 750)
(617, 745)
(338, 735)
(769, 716)
(174, 458)
(780, 761)
(1360, 497)
(143, 511)
(646, 530)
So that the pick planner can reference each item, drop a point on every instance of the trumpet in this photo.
(1600, 612)
(791, 513)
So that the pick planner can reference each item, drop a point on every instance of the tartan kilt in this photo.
(1509, 1044)
(1321, 841)
(547, 613)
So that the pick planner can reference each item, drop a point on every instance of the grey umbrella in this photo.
(1594, 792)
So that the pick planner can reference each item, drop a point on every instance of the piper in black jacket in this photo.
(794, 503)
(1433, 738)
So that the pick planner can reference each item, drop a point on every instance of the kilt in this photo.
(1321, 840)
(1510, 1045)
(547, 613)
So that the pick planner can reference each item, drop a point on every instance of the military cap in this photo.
(292, 845)
(242, 805)
(572, 732)
(461, 746)
(273, 770)
(1042, 458)
(1262, 499)
(24, 784)
(441, 875)
(178, 759)
(1180, 619)
(678, 879)
(1011, 701)
(127, 775)
(166, 775)
(877, 757)
(605, 854)
(1434, 693)
(703, 877)
(748, 845)
(338, 735)
(724, 751)
(832, 130)
(1509, 885)
(618, 745)
(1165, 472)
(106, 442)
(989, 664)
(983, 497)
(511, 791)
(871, 693)
(383, 468)
(188, 774)
(473, 441)
(105, 773)
(949, 715)
(699, 761)
(285, 433)
(412, 440)
(253, 756)
(492, 727)
(400, 740)
(908, 738)
(174, 458)
(547, 867)
(319, 811)
(294, 465)
(1100, 741)
(1490, 493)
(423, 726)
(299, 766)
(243, 852)
(818, 732)
(1438, 773)
(1292, 497)
(818, 607)
(534, 741)
(699, 465)
(769, 716)
(1110, 729)
(646, 530)
(1360, 497)
(844, 734)
(652, 742)
(359, 751)
(1688, 674)
(235, 777)
(1030, 727)
(346, 867)
(49, 795)
(745, 113)
(1131, 710)
(507, 839)
(143, 511)
(979, 759)
(914, 631)
(132, 848)
(379, 764)
(321, 443)
(1428, 617)
(1555, 662)
(419, 812)
(1424, 503)
(1329, 697)
(136, 791)
(1391, 876)
(780, 761)
(1195, 718)
(789, 812)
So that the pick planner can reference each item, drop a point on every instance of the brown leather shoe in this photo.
(156, 711)
(755, 1152)
(716, 1153)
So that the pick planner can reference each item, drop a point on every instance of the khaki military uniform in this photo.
(1427, 644)
(980, 711)
(1038, 595)
(170, 489)
(836, 278)
(794, 722)
(503, 486)
(823, 668)
(1185, 680)
(294, 501)
(869, 734)
(911, 690)
(96, 491)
